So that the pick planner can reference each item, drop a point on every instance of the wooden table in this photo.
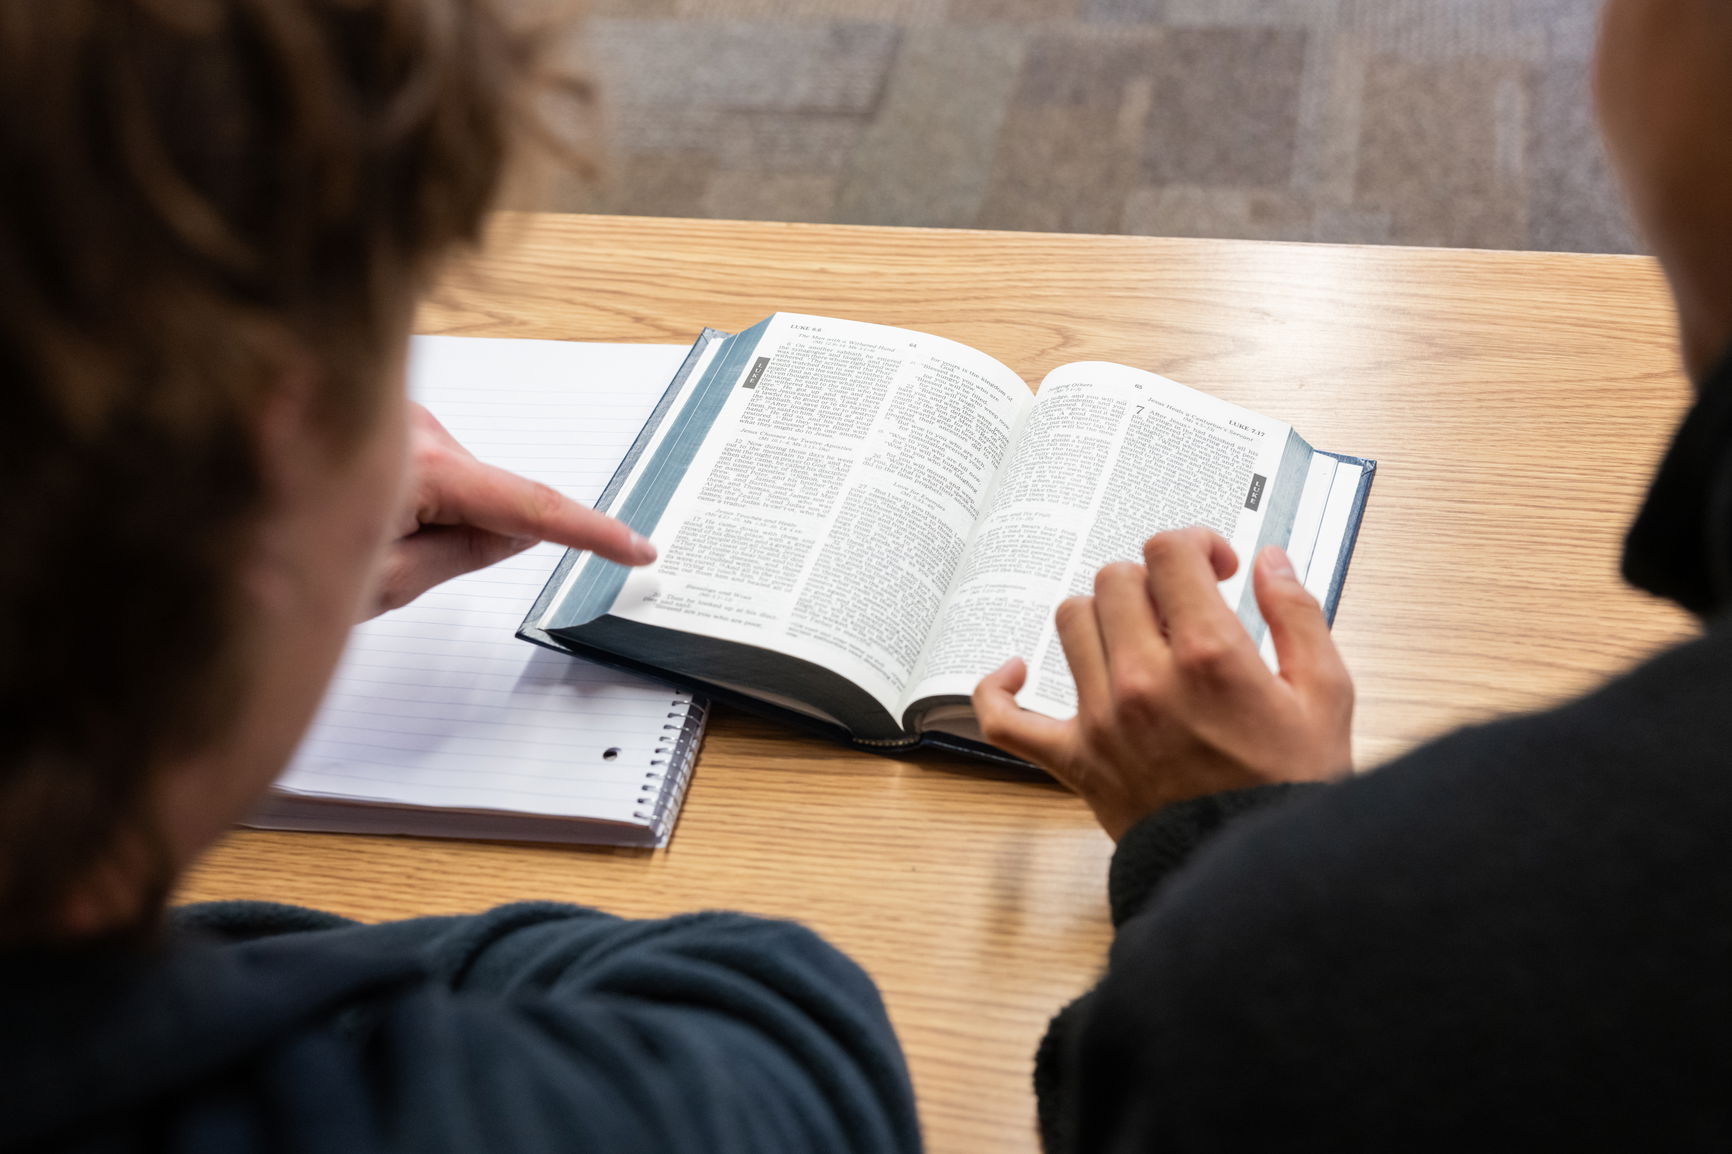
(1516, 403)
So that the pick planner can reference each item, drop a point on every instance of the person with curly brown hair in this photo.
(216, 217)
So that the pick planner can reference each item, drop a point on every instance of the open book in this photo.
(857, 522)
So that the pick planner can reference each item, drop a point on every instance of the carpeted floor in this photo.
(1428, 122)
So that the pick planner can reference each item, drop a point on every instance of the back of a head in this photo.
(196, 193)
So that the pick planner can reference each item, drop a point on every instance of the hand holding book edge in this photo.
(1173, 699)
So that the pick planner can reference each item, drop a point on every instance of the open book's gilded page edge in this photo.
(1336, 534)
(1308, 521)
(534, 622)
(1285, 493)
(587, 590)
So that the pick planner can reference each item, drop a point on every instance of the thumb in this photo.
(1004, 723)
(1303, 644)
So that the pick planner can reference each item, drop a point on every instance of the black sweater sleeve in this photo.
(1151, 852)
(1161, 843)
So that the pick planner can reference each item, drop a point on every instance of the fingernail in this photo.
(642, 549)
(1276, 562)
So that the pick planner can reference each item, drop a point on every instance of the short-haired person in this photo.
(215, 219)
(1516, 937)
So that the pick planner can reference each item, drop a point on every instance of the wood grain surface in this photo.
(1516, 404)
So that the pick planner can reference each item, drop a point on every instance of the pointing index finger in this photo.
(465, 491)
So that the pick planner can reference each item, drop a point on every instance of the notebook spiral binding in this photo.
(664, 786)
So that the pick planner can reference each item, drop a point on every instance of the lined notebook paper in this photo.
(439, 720)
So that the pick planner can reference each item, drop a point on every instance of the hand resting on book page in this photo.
(1173, 701)
(461, 514)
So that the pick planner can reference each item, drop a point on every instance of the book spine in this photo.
(670, 771)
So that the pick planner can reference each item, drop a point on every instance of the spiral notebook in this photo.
(441, 723)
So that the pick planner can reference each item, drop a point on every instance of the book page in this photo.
(1109, 456)
(826, 511)
(438, 704)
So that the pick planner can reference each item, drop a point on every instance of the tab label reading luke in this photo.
(757, 373)
(1255, 496)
